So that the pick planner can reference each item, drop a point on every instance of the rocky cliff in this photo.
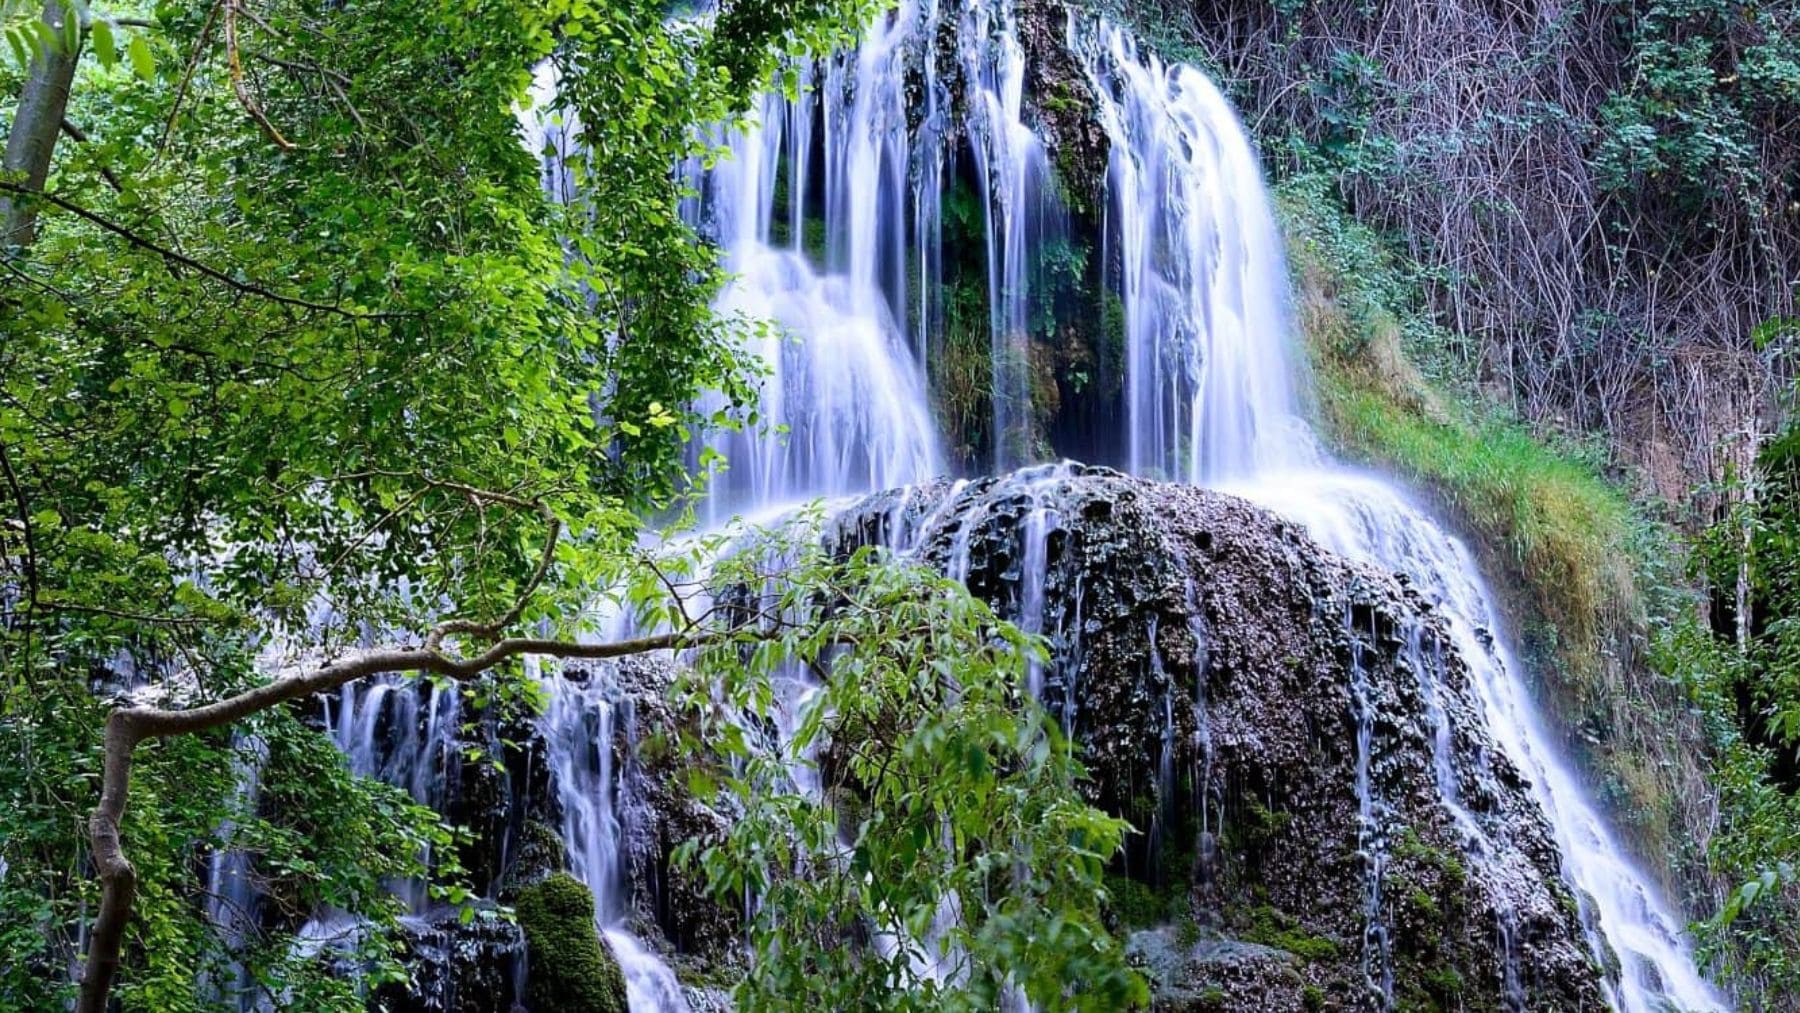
(1325, 822)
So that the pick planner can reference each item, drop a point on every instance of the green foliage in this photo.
(946, 826)
(1138, 905)
(961, 370)
(324, 338)
(324, 837)
(571, 969)
(1272, 927)
(1560, 524)
(1743, 674)
(1707, 81)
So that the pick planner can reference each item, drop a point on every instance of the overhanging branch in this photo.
(126, 727)
(172, 257)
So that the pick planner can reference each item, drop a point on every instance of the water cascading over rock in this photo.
(1346, 797)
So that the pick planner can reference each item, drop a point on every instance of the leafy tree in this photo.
(1744, 672)
(917, 840)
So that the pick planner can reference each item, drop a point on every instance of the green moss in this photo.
(1137, 905)
(570, 969)
(1273, 927)
(1312, 997)
(1444, 982)
(1259, 824)
(1423, 904)
(1133, 903)
(1409, 845)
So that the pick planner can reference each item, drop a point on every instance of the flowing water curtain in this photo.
(1210, 375)
(1212, 382)
(1212, 392)
(842, 408)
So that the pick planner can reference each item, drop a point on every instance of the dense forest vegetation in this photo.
(309, 383)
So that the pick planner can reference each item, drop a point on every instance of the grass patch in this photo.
(1272, 927)
(1577, 558)
(1563, 530)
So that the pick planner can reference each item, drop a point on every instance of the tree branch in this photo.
(80, 136)
(31, 549)
(126, 727)
(232, 9)
(494, 628)
(187, 76)
(173, 257)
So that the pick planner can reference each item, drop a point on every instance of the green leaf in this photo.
(104, 48)
(143, 62)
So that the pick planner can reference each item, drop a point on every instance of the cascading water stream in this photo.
(586, 727)
(1209, 388)
(843, 408)
(1209, 351)
(1623, 911)
(1210, 395)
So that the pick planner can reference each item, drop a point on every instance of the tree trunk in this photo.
(42, 106)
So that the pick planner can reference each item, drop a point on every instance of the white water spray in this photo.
(1211, 387)
(1210, 356)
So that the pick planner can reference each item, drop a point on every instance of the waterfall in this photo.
(1623, 912)
(1209, 386)
(402, 731)
(843, 408)
(585, 728)
(1210, 357)
(828, 208)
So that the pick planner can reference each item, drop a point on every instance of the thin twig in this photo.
(242, 87)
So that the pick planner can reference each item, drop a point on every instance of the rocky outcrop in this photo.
(571, 970)
(1292, 735)
(668, 900)
(1325, 822)
(1062, 105)
(454, 966)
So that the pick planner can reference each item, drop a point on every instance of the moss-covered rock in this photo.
(570, 968)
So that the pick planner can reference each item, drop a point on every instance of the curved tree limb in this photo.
(126, 727)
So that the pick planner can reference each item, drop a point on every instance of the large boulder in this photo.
(1293, 735)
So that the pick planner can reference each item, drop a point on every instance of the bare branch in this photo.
(79, 136)
(238, 85)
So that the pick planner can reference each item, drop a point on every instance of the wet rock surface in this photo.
(1324, 820)
(1293, 736)
(457, 967)
(669, 902)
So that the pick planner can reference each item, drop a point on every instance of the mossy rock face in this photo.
(570, 968)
